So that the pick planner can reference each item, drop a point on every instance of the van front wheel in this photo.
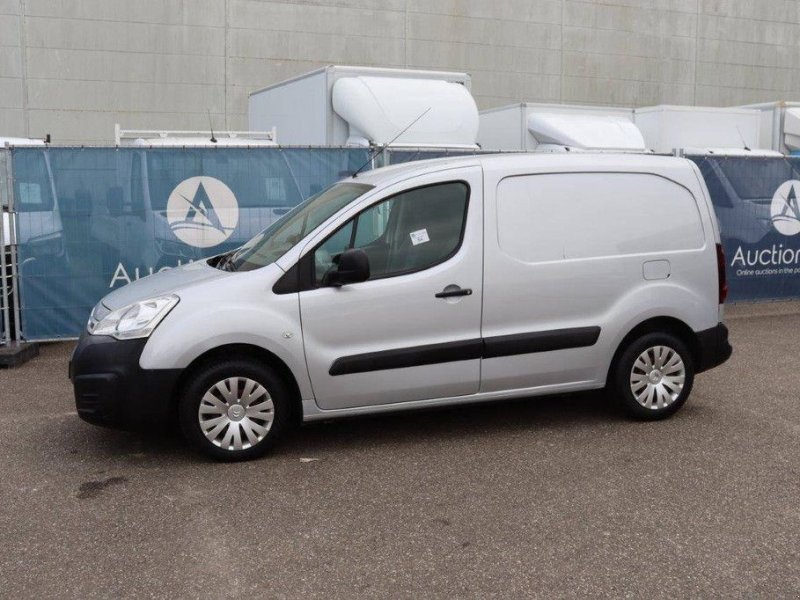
(653, 377)
(234, 410)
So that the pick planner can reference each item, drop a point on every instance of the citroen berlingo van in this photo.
(431, 283)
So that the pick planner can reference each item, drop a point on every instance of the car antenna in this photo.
(378, 151)
(741, 137)
(213, 140)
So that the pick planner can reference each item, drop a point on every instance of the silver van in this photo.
(424, 284)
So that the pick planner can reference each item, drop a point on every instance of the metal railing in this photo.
(174, 137)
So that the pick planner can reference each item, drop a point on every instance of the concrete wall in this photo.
(75, 67)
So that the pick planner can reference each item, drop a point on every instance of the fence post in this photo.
(4, 319)
(5, 269)
(12, 215)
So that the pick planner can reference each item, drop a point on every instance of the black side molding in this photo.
(493, 347)
(540, 341)
(415, 356)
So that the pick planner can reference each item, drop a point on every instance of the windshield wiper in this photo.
(225, 263)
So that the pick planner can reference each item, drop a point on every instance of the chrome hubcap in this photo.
(236, 413)
(657, 377)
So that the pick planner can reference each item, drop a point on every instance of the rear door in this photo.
(397, 337)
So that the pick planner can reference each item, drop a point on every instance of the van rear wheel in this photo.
(653, 377)
(234, 410)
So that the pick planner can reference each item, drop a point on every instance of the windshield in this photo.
(272, 243)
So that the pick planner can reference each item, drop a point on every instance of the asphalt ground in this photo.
(544, 497)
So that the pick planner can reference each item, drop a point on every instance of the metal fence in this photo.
(6, 230)
(88, 220)
(756, 202)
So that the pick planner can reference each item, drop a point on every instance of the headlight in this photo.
(137, 320)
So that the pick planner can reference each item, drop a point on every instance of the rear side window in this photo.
(542, 218)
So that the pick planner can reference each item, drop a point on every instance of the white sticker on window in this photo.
(419, 237)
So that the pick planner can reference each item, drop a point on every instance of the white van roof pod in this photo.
(585, 132)
(377, 109)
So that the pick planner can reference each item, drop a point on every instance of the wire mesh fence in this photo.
(85, 221)
(756, 204)
(89, 220)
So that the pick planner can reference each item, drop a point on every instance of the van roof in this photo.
(536, 161)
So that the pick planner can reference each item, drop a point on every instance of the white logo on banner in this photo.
(202, 211)
(785, 211)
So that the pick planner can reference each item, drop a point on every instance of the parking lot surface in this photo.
(544, 497)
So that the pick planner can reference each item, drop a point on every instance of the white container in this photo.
(698, 129)
(544, 127)
(780, 125)
(361, 106)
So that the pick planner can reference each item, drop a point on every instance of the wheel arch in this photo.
(246, 351)
(661, 324)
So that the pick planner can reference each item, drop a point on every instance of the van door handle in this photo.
(453, 293)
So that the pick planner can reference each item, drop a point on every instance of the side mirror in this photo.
(353, 268)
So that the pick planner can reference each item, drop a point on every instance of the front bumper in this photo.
(112, 390)
(713, 347)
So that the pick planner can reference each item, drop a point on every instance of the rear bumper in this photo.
(112, 390)
(713, 347)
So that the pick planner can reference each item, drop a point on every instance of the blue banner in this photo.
(757, 205)
(94, 219)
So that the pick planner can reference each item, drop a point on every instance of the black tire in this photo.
(622, 387)
(208, 374)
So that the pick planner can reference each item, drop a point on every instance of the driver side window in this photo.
(327, 255)
(411, 231)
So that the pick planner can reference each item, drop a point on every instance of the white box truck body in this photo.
(698, 129)
(362, 106)
(780, 125)
(530, 127)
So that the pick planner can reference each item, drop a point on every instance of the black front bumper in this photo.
(112, 390)
(713, 347)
